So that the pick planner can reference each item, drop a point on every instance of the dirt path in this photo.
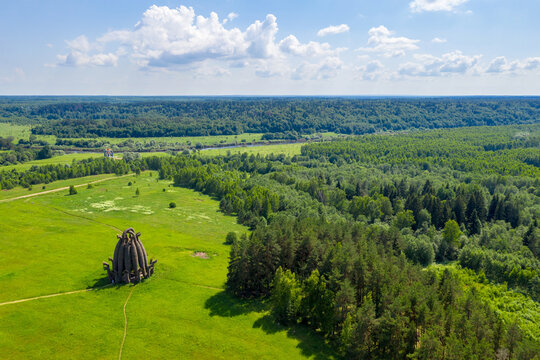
(62, 188)
(125, 324)
(51, 295)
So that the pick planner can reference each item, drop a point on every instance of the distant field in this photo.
(68, 159)
(287, 149)
(55, 243)
(22, 132)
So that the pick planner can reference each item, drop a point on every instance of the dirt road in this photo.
(61, 189)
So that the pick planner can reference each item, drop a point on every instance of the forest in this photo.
(284, 117)
(344, 236)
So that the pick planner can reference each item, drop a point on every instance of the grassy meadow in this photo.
(68, 159)
(55, 243)
(286, 149)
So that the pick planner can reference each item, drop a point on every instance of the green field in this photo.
(55, 243)
(287, 149)
(68, 159)
(22, 132)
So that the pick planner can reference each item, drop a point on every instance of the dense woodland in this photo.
(87, 117)
(342, 235)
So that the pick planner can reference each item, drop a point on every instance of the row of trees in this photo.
(154, 117)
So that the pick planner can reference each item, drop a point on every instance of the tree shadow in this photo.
(311, 344)
(226, 305)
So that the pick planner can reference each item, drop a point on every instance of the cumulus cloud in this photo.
(435, 5)
(230, 17)
(438, 40)
(79, 54)
(177, 38)
(334, 29)
(325, 69)
(450, 63)
(501, 65)
(371, 71)
(291, 45)
(382, 41)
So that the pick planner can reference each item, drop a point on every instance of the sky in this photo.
(293, 47)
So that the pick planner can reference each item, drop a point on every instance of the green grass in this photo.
(68, 159)
(20, 191)
(184, 140)
(56, 243)
(22, 132)
(287, 149)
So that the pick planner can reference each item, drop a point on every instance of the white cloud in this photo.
(382, 41)
(435, 5)
(230, 17)
(447, 64)
(371, 71)
(79, 55)
(291, 45)
(325, 69)
(76, 58)
(178, 39)
(438, 40)
(334, 29)
(501, 65)
(260, 38)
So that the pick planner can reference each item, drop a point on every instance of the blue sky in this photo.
(340, 47)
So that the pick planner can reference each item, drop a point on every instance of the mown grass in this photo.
(56, 243)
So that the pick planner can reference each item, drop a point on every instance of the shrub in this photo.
(72, 190)
(172, 205)
(231, 238)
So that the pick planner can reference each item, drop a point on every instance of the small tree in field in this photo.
(172, 205)
(231, 238)
(72, 190)
(137, 192)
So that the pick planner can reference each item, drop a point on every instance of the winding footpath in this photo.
(125, 325)
(51, 295)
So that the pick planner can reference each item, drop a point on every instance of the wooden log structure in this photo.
(130, 261)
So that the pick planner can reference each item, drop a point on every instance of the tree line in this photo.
(88, 117)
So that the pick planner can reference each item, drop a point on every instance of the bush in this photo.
(231, 238)
(72, 190)
(172, 205)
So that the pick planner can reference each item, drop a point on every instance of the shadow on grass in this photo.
(225, 305)
(310, 343)
(100, 282)
(104, 283)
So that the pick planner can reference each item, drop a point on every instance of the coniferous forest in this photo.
(372, 242)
